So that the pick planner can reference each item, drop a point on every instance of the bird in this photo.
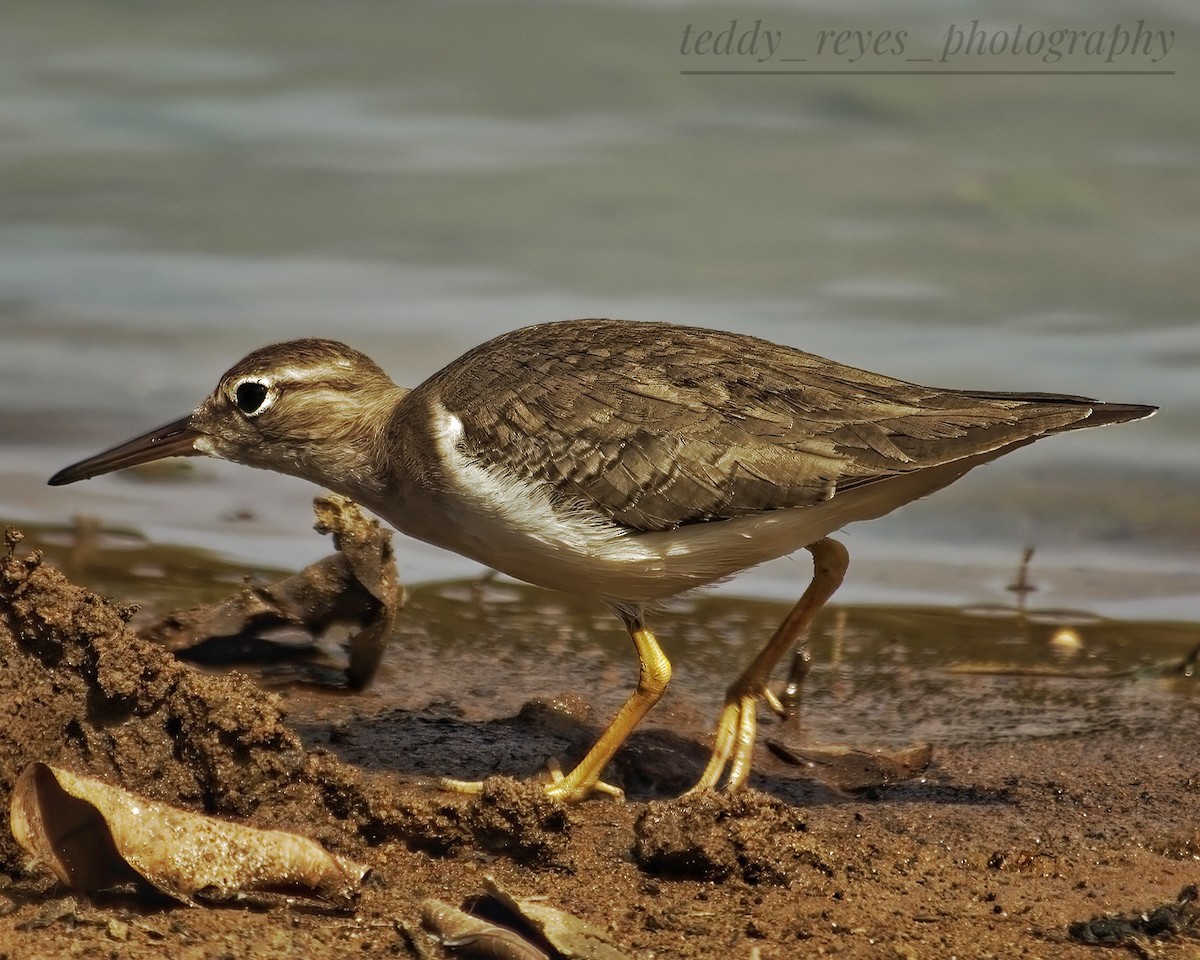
(621, 460)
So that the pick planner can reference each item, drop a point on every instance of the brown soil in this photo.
(992, 854)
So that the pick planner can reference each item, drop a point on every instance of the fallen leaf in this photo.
(501, 926)
(460, 932)
(571, 937)
(93, 835)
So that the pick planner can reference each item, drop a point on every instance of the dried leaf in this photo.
(462, 933)
(93, 835)
(503, 927)
(849, 769)
(571, 937)
(357, 586)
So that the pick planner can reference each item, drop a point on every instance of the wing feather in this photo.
(657, 425)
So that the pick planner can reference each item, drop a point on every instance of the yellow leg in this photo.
(737, 725)
(654, 672)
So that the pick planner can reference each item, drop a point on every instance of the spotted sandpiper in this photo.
(624, 461)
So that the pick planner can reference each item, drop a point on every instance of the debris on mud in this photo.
(356, 587)
(718, 836)
(497, 924)
(78, 689)
(95, 836)
(849, 769)
(1165, 922)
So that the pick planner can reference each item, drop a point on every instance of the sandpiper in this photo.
(624, 461)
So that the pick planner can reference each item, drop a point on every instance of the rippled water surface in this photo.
(181, 183)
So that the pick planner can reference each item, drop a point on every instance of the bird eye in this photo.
(250, 396)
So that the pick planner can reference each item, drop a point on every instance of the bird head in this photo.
(311, 408)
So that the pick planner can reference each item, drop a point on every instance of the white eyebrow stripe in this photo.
(304, 374)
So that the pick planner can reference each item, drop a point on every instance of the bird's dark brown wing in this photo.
(657, 425)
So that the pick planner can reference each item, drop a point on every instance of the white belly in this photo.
(519, 530)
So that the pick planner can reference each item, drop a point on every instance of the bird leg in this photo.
(734, 747)
(654, 672)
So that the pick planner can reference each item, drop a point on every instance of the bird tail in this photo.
(1105, 413)
(1101, 414)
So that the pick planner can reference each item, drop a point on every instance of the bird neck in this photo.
(353, 454)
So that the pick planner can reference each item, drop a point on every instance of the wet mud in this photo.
(1050, 801)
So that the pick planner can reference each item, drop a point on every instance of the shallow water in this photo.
(180, 185)
(881, 674)
(468, 652)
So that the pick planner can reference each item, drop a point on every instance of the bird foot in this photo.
(782, 710)
(561, 787)
(471, 787)
(734, 747)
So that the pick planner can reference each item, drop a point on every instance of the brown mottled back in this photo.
(681, 424)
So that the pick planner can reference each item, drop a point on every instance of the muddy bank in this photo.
(994, 852)
(80, 689)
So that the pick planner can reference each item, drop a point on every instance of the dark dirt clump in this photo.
(718, 836)
(79, 689)
(1181, 918)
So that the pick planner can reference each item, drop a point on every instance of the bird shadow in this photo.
(655, 763)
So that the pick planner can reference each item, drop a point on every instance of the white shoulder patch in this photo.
(516, 514)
